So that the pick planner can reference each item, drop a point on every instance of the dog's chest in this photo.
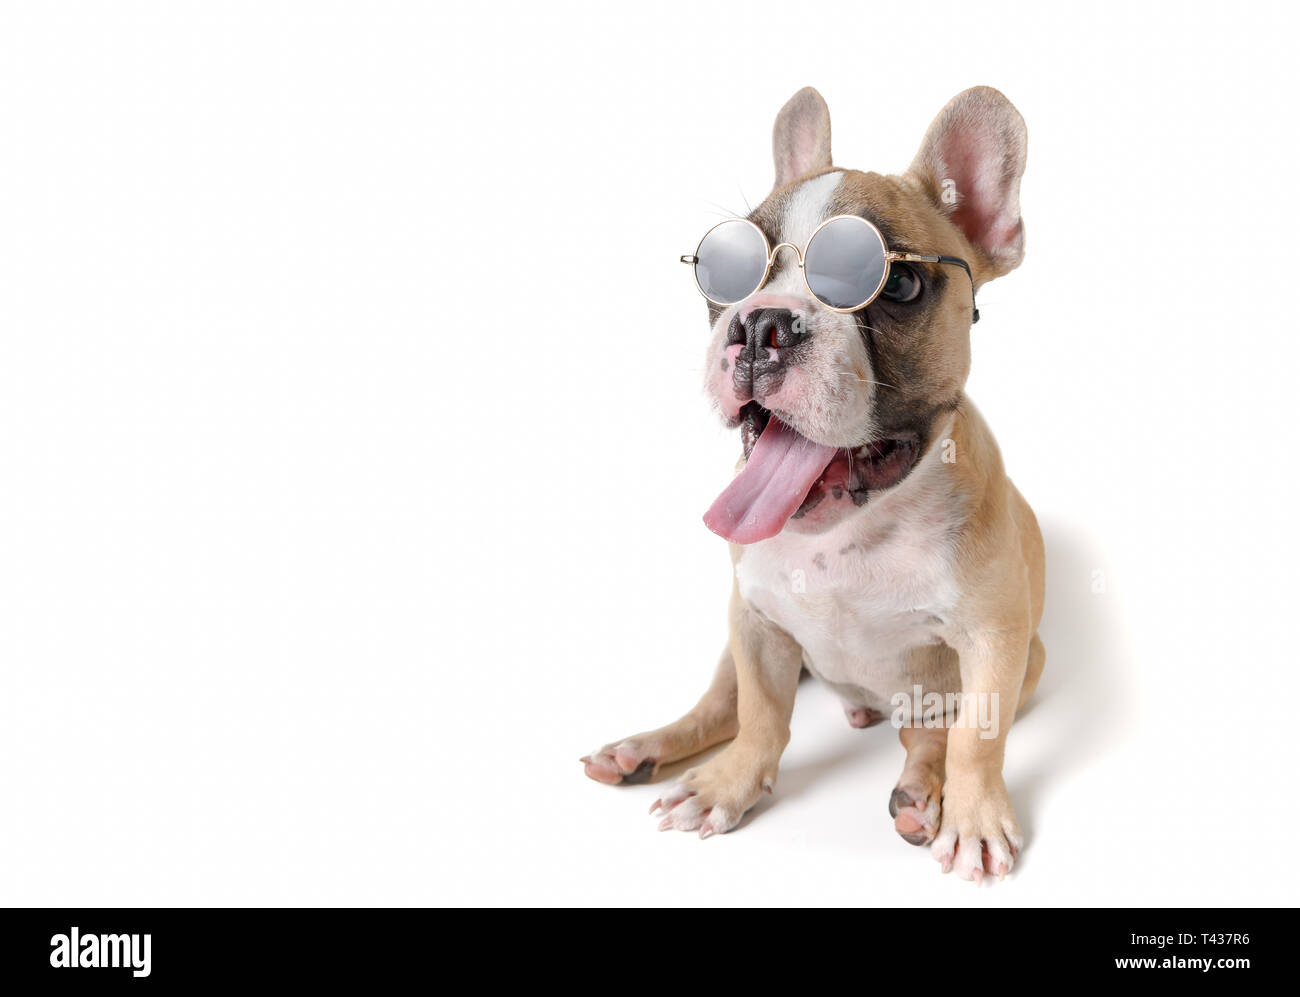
(859, 597)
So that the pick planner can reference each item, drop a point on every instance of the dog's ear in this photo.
(801, 137)
(970, 163)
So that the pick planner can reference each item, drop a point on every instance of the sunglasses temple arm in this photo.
(952, 261)
(958, 262)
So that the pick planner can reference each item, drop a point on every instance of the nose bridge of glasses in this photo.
(776, 250)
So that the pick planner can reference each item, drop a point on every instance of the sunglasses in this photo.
(845, 263)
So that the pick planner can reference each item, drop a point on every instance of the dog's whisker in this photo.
(865, 380)
(723, 210)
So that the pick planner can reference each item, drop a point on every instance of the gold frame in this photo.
(889, 256)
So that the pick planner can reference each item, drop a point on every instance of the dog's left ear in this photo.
(970, 163)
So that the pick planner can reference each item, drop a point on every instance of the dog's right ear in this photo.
(801, 138)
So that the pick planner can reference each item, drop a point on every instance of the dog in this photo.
(876, 539)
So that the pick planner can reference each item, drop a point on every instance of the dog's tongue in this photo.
(772, 485)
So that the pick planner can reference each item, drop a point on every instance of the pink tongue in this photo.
(772, 485)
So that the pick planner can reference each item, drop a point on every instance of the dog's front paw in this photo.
(631, 760)
(712, 798)
(978, 833)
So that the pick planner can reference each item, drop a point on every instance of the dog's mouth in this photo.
(788, 475)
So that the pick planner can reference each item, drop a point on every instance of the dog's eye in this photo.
(902, 285)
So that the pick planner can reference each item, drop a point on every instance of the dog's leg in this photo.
(979, 833)
(638, 758)
(714, 796)
(1034, 670)
(915, 802)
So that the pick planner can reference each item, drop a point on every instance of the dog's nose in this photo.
(764, 336)
(772, 328)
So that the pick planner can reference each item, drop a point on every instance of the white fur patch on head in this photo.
(808, 207)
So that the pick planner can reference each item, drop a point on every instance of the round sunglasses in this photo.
(845, 263)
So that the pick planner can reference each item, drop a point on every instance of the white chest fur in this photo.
(859, 596)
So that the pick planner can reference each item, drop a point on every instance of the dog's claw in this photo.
(656, 805)
(711, 799)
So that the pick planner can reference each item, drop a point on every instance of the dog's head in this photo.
(834, 406)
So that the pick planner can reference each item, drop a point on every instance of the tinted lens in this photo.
(731, 262)
(845, 263)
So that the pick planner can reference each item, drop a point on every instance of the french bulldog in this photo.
(876, 539)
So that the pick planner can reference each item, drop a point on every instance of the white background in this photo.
(353, 448)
